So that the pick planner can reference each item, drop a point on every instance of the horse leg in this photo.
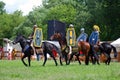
(96, 58)
(87, 57)
(24, 56)
(45, 58)
(54, 58)
(60, 61)
(92, 60)
(66, 58)
(109, 60)
(71, 56)
(29, 60)
(87, 60)
(106, 62)
(78, 58)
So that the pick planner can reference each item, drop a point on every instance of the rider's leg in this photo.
(33, 47)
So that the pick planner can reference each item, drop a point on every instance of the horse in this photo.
(26, 48)
(105, 49)
(50, 48)
(28, 51)
(81, 46)
(63, 45)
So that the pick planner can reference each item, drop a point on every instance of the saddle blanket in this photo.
(56, 43)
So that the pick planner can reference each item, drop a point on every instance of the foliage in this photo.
(2, 5)
(81, 13)
(64, 13)
(105, 13)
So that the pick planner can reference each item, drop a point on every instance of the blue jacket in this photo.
(82, 37)
(94, 38)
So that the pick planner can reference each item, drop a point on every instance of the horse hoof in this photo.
(56, 64)
(67, 64)
(87, 64)
(26, 65)
(98, 63)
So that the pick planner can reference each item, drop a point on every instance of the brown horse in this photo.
(63, 45)
(81, 46)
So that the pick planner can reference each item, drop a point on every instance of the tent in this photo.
(116, 43)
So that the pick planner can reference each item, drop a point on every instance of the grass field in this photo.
(15, 70)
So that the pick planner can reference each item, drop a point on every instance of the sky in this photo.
(24, 5)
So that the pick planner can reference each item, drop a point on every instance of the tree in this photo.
(2, 5)
(111, 15)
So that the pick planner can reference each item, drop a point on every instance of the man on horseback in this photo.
(71, 37)
(31, 37)
(83, 36)
(94, 37)
(94, 41)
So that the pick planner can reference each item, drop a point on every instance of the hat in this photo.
(71, 25)
(35, 26)
(96, 27)
(82, 29)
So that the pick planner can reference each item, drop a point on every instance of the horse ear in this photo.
(18, 33)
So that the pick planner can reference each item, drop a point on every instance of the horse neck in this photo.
(62, 42)
(23, 43)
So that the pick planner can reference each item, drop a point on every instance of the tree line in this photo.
(80, 13)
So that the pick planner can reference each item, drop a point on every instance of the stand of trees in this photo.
(81, 13)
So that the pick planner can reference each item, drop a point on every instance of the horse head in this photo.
(18, 39)
(56, 36)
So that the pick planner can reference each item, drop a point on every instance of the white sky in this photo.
(24, 5)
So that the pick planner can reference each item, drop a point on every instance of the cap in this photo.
(82, 29)
(35, 26)
(71, 25)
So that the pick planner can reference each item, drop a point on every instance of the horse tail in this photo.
(115, 51)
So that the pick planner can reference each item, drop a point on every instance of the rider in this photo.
(70, 47)
(94, 41)
(94, 37)
(83, 36)
(31, 37)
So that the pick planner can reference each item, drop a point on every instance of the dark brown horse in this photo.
(81, 46)
(26, 48)
(104, 48)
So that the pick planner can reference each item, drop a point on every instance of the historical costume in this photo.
(83, 36)
(94, 37)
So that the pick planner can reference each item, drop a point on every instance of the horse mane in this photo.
(63, 39)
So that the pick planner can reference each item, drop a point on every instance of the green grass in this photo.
(15, 70)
